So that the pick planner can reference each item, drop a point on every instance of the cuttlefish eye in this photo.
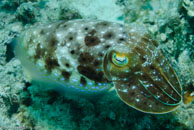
(119, 60)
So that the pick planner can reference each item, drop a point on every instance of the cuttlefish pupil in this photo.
(119, 59)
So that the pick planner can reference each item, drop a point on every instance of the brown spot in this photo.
(121, 39)
(92, 32)
(92, 40)
(65, 25)
(42, 32)
(40, 52)
(107, 46)
(65, 74)
(91, 73)
(86, 28)
(72, 52)
(109, 35)
(51, 63)
(100, 54)
(85, 58)
(102, 24)
(96, 63)
(53, 43)
(83, 81)
(67, 65)
(70, 38)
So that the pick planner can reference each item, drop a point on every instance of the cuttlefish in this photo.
(93, 56)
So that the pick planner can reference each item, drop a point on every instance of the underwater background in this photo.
(26, 106)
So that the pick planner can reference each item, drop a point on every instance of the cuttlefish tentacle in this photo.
(166, 94)
(162, 89)
(170, 84)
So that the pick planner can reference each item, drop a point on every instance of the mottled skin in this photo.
(151, 82)
(90, 56)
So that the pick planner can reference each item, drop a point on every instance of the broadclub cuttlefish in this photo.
(92, 56)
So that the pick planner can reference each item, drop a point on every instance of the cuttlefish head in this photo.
(142, 76)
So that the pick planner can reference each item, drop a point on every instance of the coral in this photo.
(10, 5)
(186, 66)
(69, 14)
(189, 6)
(27, 13)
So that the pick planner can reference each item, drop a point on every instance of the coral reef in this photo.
(189, 6)
(26, 106)
(27, 13)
